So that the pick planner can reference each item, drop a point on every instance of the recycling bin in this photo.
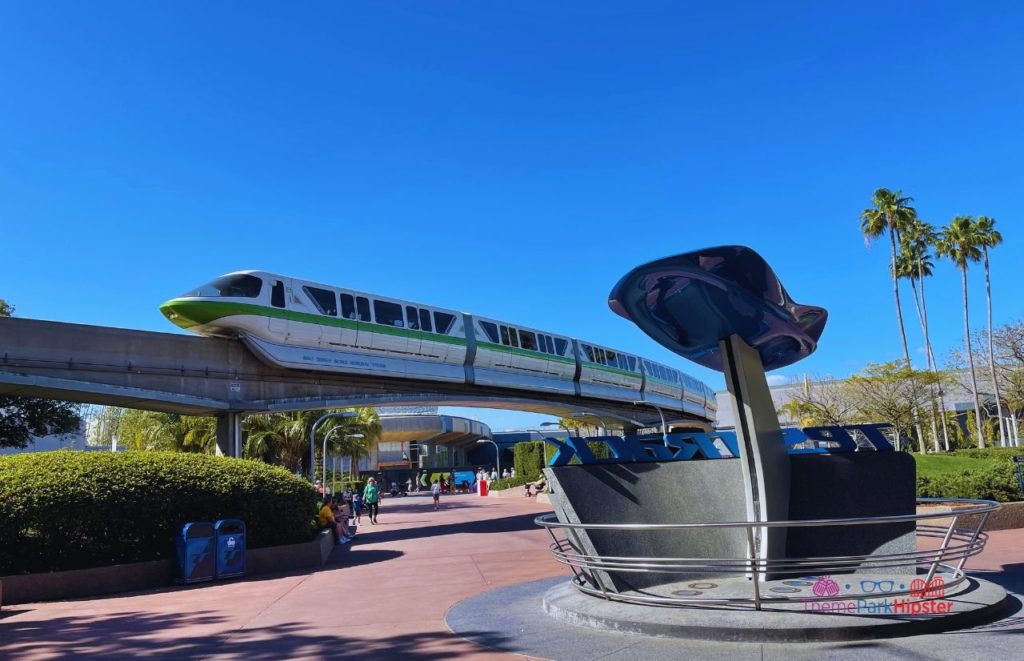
(230, 548)
(196, 552)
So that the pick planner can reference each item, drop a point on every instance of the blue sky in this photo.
(506, 158)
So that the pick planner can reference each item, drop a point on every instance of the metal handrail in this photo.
(983, 507)
(956, 546)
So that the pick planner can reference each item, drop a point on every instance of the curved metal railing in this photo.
(947, 558)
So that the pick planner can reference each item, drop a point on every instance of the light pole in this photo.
(664, 437)
(497, 452)
(312, 439)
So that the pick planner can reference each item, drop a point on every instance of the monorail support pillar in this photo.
(229, 434)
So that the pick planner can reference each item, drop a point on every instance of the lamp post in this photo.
(497, 452)
(312, 438)
(664, 437)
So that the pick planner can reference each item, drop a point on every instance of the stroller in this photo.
(397, 490)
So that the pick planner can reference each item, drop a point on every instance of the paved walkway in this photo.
(385, 597)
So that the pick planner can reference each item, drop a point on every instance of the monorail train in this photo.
(298, 324)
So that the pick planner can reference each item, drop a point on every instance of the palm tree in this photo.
(891, 212)
(366, 425)
(989, 237)
(915, 264)
(959, 241)
(280, 437)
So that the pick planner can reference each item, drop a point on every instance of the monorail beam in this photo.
(211, 376)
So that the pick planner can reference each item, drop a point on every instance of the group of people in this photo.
(483, 476)
(335, 512)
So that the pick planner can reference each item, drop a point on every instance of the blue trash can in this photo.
(196, 558)
(230, 548)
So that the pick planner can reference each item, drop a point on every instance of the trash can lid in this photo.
(196, 529)
(229, 526)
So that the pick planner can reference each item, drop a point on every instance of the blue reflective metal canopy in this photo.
(691, 301)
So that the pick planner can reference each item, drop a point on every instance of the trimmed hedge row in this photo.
(70, 510)
(996, 483)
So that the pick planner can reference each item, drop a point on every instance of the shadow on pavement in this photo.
(514, 523)
(128, 634)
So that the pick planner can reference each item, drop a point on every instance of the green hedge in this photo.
(998, 482)
(529, 459)
(517, 481)
(68, 510)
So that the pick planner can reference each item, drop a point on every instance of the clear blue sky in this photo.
(512, 159)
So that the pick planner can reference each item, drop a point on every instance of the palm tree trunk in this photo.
(930, 359)
(970, 363)
(991, 354)
(918, 305)
(896, 294)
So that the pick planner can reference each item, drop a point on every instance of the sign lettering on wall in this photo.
(716, 445)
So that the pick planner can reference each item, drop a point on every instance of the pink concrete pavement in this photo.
(385, 597)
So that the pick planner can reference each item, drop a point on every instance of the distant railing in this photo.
(956, 545)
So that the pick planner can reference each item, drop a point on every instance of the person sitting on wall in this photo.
(328, 521)
(538, 485)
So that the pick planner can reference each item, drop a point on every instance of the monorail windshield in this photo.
(230, 286)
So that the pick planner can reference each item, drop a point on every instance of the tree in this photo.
(154, 430)
(989, 237)
(345, 442)
(891, 211)
(21, 418)
(892, 393)
(283, 438)
(959, 242)
(820, 402)
(915, 264)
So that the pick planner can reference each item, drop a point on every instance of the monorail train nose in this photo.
(177, 312)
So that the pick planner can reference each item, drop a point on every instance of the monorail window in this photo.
(412, 314)
(549, 344)
(425, 321)
(323, 299)
(528, 340)
(509, 337)
(632, 363)
(443, 322)
(589, 351)
(561, 345)
(363, 308)
(388, 314)
(234, 286)
(277, 294)
(612, 358)
(490, 330)
(348, 306)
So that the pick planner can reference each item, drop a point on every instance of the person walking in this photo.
(371, 497)
(357, 506)
(435, 491)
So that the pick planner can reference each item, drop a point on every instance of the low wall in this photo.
(1007, 517)
(30, 588)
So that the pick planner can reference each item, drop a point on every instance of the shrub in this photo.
(517, 481)
(529, 458)
(996, 483)
(67, 510)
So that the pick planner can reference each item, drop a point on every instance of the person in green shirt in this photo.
(371, 498)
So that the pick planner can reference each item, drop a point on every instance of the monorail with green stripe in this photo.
(298, 324)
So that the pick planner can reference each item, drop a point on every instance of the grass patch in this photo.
(939, 465)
